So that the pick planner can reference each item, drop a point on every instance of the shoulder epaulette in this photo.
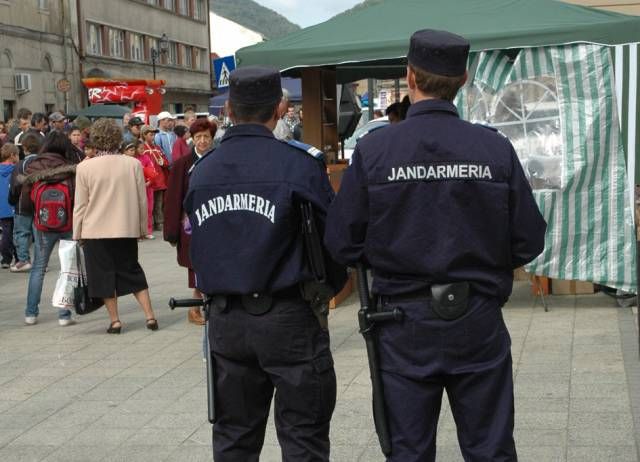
(493, 129)
(488, 127)
(312, 151)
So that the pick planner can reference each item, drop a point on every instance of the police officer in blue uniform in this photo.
(249, 255)
(442, 212)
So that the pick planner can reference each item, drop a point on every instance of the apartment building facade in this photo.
(118, 39)
(36, 55)
(48, 46)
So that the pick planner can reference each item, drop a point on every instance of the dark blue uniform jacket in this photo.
(435, 199)
(243, 205)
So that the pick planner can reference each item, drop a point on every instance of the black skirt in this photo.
(112, 267)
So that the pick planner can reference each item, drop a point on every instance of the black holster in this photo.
(450, 301)
(318, 296)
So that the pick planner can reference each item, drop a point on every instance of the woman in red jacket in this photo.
(175, 217)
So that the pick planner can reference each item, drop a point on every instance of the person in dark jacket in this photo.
(18, 197)
(202, 132)
(245, 205)
(54, 165)
(441, 210)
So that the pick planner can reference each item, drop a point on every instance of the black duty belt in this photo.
(257, 303)
(421, 294)
(448, 301)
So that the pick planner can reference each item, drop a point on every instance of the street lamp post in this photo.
(163, 45)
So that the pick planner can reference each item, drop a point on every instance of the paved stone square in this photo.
(77, 394)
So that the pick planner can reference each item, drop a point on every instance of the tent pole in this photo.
(370, 88)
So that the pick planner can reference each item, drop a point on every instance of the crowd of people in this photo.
(52, 149)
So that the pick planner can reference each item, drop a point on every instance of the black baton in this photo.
(367, 318)
(211, 390)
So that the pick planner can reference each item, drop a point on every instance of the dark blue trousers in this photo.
(470, 359)
(283, 351)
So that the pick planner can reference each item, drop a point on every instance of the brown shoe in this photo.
(195, 317)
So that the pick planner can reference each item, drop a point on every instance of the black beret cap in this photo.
(135, 121)
(439, 52)
(255, 85)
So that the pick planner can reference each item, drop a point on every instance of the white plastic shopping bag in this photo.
(69, 275)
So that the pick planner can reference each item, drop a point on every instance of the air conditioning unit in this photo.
(23, 83)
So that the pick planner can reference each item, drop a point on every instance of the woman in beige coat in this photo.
(109, 216)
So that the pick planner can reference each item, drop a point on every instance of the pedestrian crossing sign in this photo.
(222, 67)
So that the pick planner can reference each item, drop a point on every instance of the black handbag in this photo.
(82, 302)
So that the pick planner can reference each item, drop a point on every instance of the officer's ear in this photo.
(411, 78)
(228, 109)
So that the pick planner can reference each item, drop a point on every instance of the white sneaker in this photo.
(150, 236)
(20, 267)
(66, 322)
(30, 320)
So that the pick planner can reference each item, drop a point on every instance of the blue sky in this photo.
(308, 12)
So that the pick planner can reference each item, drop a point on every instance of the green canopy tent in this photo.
(373, 41)
(573, 62)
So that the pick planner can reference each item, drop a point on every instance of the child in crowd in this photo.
(159, 182)
(149, 170)
(89, 150)
(8, 159)
(19, 197)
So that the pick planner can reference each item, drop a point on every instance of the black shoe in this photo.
(114, 330)
(152, 324)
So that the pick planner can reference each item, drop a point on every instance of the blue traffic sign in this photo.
(222, 67)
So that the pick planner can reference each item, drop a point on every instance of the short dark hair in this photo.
(257, 113)
(37, 118)
(439, 86)
(202, 125)
(393, 108)
(180, 130)
(56, 142)
(31, 142)
(24, 113)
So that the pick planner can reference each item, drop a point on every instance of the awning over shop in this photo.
(373, 41)
(112, 111)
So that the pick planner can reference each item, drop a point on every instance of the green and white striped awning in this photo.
(561, 107)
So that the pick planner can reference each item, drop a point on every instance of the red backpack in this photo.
(53, 208)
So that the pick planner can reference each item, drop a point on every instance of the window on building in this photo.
(116, 43)
(183, 7)
(94, 39)
(152, 43)
(188, 59)
(43, 4)
(170, 4)
(136, 47)
(199, 61)
(153, 2)
(172, 54)
(8, 109)
(201, 10)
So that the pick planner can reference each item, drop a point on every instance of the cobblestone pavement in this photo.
(77, 394)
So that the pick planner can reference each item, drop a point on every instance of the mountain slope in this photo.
(254, 16)
(359, 6)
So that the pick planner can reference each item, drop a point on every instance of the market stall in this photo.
(560, 80)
